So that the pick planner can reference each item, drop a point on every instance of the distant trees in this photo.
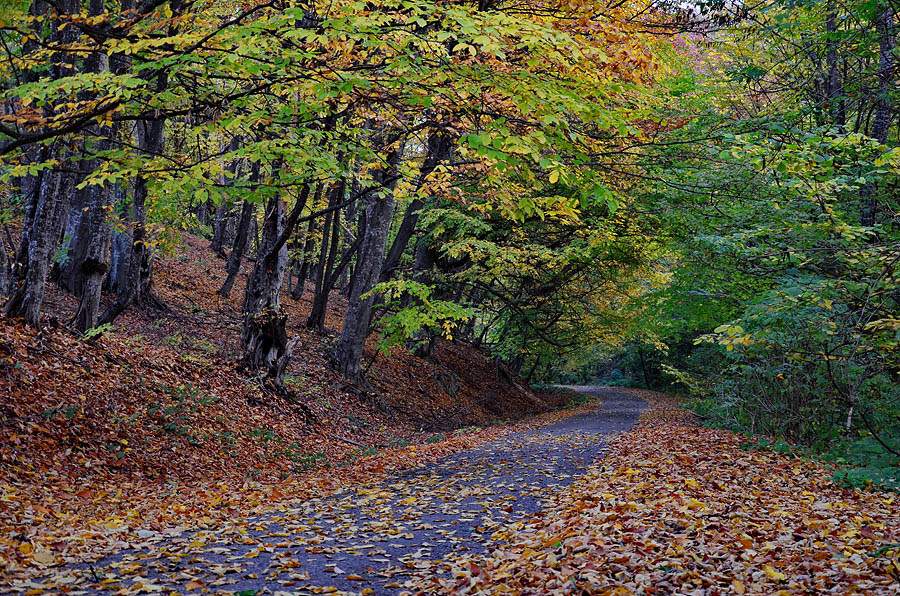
(781, 312)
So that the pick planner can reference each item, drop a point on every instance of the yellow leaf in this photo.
(773, 573)
(695, 504)
(25, 548)
(356, 578)
(738, 587)
(554, 176)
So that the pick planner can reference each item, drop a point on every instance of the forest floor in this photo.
(582, 506)
(152, 427)
(151, 438)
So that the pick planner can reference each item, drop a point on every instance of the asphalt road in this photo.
(371, 540)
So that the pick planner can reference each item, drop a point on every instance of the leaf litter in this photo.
(151, 430)
(679, 509)
(364, 537)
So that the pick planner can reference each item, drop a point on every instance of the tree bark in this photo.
(377, 209)
(120, 251)
(223, 214)
(439, 148)
(41, 238)
(150, 140)
(834, 96)
(82, 273)
(92, 261)
(40, 235)
(263, 333)
(225, 209)
(303, 270)
(422, 345)
(248, 212)
(884, 26)
(330, 237)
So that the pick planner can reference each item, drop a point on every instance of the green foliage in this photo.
(413, 311)
(861, 463)
(865, 463)
(95, 332)
(175, 416)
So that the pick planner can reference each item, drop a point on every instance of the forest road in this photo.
(370, 540)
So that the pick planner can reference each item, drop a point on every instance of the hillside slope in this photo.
(103, 436)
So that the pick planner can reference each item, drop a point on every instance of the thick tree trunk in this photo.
(74, 238)
(92, 261)
(40, 235)
(31, 190)
(120, 251)
(136, 286)
(42, 239)
(377, 209)
(263, 333)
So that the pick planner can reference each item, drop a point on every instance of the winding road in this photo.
(370, 540)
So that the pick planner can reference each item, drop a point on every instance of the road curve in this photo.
(369, 540)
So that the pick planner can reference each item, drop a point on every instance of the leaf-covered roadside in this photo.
(80, 524)
(151, 427)
(675, 508)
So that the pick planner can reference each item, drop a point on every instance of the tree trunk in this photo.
(422, 345)
(330, 236)
(223, 214)
(136, 286)
(74, 238)
(834, 96)
(440, 146)
(263, 334)
(120, 251)
(884, 26)
(42, 239)
(225, 209)
(377, 207)
(303, 270)
(82, 272)
(92, 260)
(248, 212)
(40, 235)
(5, 269)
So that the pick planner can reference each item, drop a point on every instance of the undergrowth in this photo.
(860, 460)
